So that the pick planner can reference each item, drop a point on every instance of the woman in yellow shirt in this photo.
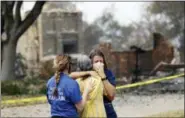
(94, 106)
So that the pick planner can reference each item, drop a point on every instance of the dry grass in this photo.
(170, 114)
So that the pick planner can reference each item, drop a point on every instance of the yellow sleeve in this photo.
(81, 84)
(95, 89)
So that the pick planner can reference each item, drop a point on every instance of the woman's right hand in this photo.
(99, 68)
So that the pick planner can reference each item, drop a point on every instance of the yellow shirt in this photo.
(94, 106)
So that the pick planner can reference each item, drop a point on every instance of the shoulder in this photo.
(50, 81)
(108, 72)
(79, 80)
(94, 79)
(110, 76)
(69, 80)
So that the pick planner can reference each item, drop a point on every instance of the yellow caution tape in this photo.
(43, 98)
(149, 81)
(25, 100)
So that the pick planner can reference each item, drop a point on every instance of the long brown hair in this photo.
(60, 64)
(98, 52)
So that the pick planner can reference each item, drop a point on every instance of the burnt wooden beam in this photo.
(137, 51)
(164, 65)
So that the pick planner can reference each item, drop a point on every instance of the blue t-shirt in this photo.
(110, 76)
(68, 95)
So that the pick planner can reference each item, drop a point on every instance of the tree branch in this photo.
(18, 13)
(10, 5)
(4, 13)
(31, 17)
(2, 17)
(8, 15)
(2, 24)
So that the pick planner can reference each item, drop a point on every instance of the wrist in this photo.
(87, 72)
(104, 78)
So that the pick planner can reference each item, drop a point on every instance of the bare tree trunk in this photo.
(8, 63)
(14, 27)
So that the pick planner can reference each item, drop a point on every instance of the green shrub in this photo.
(46, 70)
(42, 90)
(27, 86)
(13, 88)
(34, 85)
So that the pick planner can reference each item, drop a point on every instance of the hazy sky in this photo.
(125, 12)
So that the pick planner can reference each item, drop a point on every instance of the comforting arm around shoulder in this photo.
(76, 75)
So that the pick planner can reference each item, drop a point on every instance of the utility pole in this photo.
(137, 51)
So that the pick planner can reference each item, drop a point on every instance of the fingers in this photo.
(97, 66)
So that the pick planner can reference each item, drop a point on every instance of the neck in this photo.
(66, 72)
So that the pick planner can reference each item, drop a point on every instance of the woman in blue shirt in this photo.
(63, 93)
(108, 80)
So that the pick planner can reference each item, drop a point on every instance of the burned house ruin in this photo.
(123, 63)
(60, 33)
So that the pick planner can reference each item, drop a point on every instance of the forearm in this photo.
(110, 90)
(81, 106)
(76, 75)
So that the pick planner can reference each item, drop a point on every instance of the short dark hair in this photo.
(98, 52)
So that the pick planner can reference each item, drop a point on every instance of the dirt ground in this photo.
(125, 106)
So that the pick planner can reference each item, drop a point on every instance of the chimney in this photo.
(156, 39)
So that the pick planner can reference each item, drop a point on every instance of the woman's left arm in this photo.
(109, 84)
(109, 89)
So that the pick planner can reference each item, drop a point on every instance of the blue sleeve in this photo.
(47, 90)
(47, 96)
(111, 78)
(75, 93)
